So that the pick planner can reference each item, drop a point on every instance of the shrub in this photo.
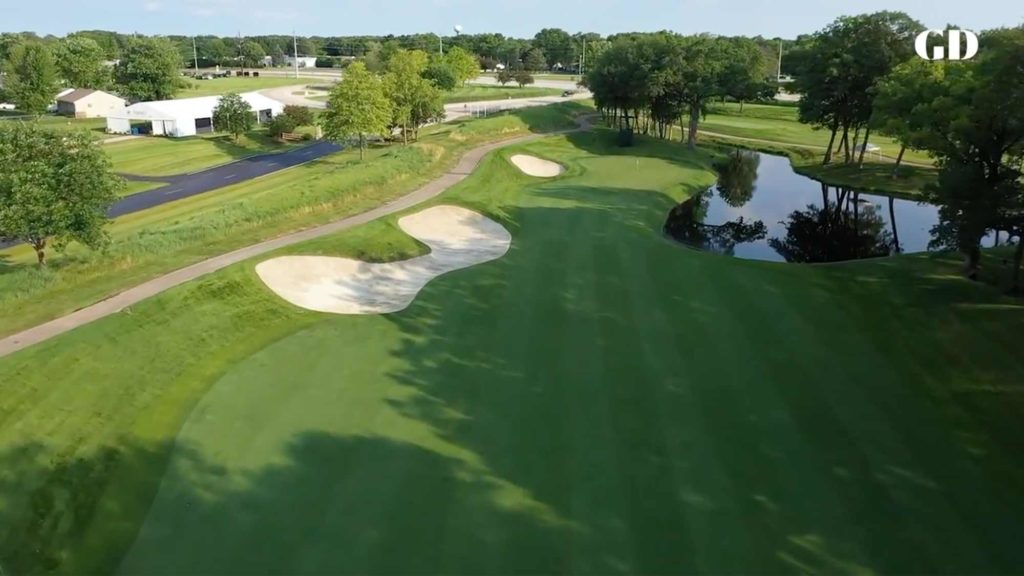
(301, 115)
(281, 124)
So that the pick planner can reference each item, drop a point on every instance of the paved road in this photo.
(186, 185)
(466, 165)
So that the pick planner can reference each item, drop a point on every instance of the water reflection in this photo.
(760, 209)
(686, 224)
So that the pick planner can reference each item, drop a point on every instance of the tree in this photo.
(975, 130)
(357, 107)
(55, 187)
(281, 124)
(505, 76)
(252, 54)
(463, 64)
(487, 63)
(301, 115)
(744, 77)
(839, 67)
(415, 100)
(31, 77)
(897, 98)
(523, 78)
(233, 115)
(149, 69)
(441, 74)
(81, 63)
(534, 60)
(557, 47)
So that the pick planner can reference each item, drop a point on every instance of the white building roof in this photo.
(201, 107)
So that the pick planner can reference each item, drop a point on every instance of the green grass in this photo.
(477, 93)
(96, 126)
(136, 187)
(599, 400)
(156, 241)
(159, 156)
(219, 86)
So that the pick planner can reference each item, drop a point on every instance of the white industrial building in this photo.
(185, 117)
(303, 61)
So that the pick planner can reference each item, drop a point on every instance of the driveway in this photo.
(185, 185)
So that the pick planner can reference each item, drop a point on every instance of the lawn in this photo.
(162, 239)
(778, 124)
(159, 156)
(96, 126)
(599, 400)
(477, 93)
(218, 86)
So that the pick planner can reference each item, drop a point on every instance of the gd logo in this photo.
(953, 45)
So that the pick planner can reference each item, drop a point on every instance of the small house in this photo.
(87, 103)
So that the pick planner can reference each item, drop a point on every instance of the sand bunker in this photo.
(458, 238)
(538, 167)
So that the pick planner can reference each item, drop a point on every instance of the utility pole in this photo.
(195, 55)
(778, 77)
(440, 45)
(295, 53)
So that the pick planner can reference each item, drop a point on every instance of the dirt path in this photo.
(466, 165)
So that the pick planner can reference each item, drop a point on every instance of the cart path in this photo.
(114, 304)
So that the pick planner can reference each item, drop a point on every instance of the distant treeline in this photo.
(551, 48)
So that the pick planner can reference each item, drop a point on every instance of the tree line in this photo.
(549, 49)
(651, 82)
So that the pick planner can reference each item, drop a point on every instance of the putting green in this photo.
(601, 400)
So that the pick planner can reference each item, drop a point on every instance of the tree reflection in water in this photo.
(844, 229)
(737, 175)
(686, 224)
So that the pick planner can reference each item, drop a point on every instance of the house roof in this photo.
(75, 95)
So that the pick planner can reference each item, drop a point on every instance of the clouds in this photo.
(153, 6)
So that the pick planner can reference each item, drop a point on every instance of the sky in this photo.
(519, 18)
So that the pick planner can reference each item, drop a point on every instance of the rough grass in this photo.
(599, 400)
(156, 241)
(478, 93)
(159, 156)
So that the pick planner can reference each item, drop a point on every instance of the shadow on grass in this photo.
(330, 504)
(677, 410)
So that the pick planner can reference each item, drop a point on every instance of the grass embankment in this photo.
(576, 406)
(168, 237)
(478, 93)
(218, 86)
(136, 187)
(774, 129)
(159, 156)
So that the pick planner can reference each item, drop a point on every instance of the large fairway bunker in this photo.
(458, 238)
(537, 167)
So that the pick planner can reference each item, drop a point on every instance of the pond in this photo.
(761, 209)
